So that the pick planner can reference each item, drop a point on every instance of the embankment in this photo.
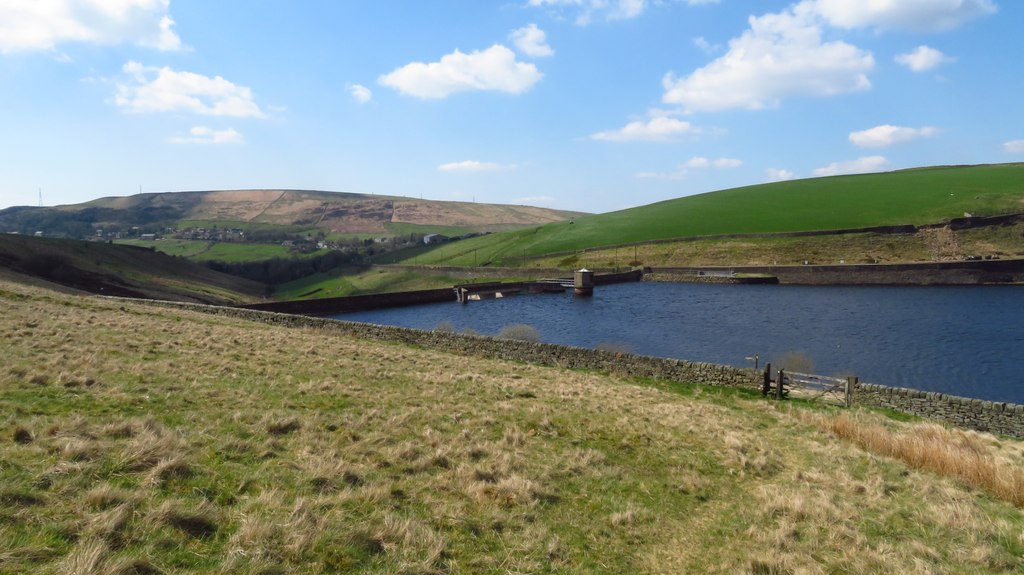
(1003, 418)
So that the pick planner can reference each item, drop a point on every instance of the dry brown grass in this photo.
(932, 447)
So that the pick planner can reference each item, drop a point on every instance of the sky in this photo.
(587, 105)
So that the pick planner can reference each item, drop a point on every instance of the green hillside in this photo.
(918, 196)
(117, 270)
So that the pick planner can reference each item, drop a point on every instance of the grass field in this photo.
(230, 252)
(906, 197)
(139, 439)
(347, 282)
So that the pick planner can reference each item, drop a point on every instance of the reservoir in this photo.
(966, 341)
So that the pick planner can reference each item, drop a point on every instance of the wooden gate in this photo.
(808, 386)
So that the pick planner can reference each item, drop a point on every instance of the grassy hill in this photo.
(141, 439)
(919, 196)
(118, 270)
(284, 210)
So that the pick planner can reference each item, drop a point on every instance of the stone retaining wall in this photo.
(996, 417)
(1002, 418)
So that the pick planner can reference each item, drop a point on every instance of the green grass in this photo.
(347, 282)
(121, 270)
(905, 197)
(230, 252)
(172, 441)
(404, 229)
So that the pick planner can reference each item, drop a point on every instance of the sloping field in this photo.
(120, 270)
(139, 439)
(329, 211)
(921, 196)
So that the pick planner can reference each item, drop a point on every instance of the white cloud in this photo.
(659, 129)
(43, 24)
(778, 174)
(494, 69)
(863, 165)
(165, 90)
(703, 45)
(532, 41)
(698, 162)
(923, 58)
(360, 93)
(1014, 146)
(475, 166)
(781, 55)
(886, 135)
(914, 15)
(587, 10)
(204, 135)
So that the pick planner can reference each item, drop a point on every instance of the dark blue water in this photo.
(965, 341)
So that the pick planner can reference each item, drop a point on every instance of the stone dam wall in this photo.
(995, 417)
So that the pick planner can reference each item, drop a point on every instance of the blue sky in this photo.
(590, 105)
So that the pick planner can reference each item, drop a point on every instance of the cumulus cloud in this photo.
(494, 69)
(165, 90)
(778, 174)
(475, 166)
(886, 135)
(923, 58)
(1014, 147)
(360, 93)
(660, 129)
(914, 15)
(27, 25)
(863, 165)
(532, 41)
(205, 135)
(780, 55)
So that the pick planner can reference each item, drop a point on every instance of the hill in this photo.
(330, 212)
(109, 269)
(919, 196)
(144, 439)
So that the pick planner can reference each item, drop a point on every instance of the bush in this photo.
(520, 331)
(794, 361)
(445, 327)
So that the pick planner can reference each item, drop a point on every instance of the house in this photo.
(434, 239)
(147, 237)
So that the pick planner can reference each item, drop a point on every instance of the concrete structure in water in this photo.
(583, 283)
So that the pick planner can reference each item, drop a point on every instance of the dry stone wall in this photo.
(996, 417)
(1001, 418)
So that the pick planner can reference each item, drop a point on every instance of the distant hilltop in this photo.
(331, 212)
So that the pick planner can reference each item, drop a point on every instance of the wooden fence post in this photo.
(851, 383)
(767, 385)
(778, 386)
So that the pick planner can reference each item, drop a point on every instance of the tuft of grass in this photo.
(520, 331)
(934, 448)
